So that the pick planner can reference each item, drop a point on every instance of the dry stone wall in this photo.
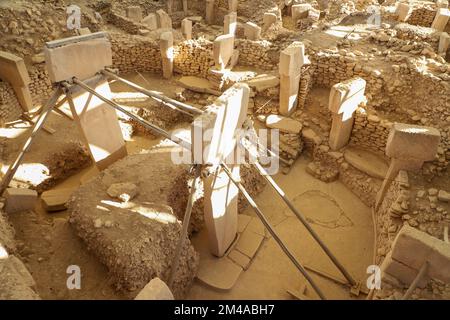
(259, 54)
(135, 53)
(9, 105)
(193, 57)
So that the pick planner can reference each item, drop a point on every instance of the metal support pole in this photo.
(46, 110)
(184, 230)
(273, 233)
(153, 94)
(141, 121)
(302, 219)
(423, 270)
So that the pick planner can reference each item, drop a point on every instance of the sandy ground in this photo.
(49, 246)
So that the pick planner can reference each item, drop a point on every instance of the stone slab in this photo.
(78, 59)
(98, 124)
(56, 200)
(284, 124)
(156, 289)
(413, 247)
(346, 96)
(366, 161)
(151, 21)
(198, 84)
(249, 243)
(213, 133)
(263, 82)
(223, 48)
(401, 272)
(412, 142)
(13, 70)
(19, 199)
(441, 19)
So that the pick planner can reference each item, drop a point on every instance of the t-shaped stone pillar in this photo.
(403, 11)
(345, 97)
(166, 48)
(269, 19)
(223, 48)
(408, 146)
(214, 140)
(186, 28)
(14, 71)
(444, 43)
(300, 11)
(230, 23)
(151, 21)
(252, 31)
(209, 11)
(441, 19)
(291, 62)
(164, 20)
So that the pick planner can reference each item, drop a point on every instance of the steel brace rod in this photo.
(46, 110)
(272, 232)
(153, 94)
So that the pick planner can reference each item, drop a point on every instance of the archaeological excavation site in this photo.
(224, 150)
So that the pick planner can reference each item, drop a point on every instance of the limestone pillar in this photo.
(169, 7)
(223, 48)
(230, 23)
(300, 11)
(151, 21)
(166, 48)
(186, 28)
(441, 19)
(269, 19)
(14, 71)
(291, 61)
(442, 3)
(210, 11)
(214, 140)
(444, 43)
(345, 97)
(403, 11)
(252, 31)
(232, 5)
(185, 7)
(408, 146)
(164, 20)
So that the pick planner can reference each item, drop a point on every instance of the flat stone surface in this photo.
(263, 82)
(198, 85)
(243, 221)
(284, 124)
(55, 200)
(239, 258)
(249, 243)
(367, 162)
(256, 226)
(218, 273)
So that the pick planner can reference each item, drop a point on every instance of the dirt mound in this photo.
(136, 240)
